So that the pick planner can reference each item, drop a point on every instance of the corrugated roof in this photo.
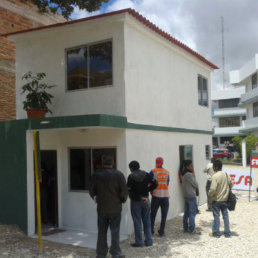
(137, 16)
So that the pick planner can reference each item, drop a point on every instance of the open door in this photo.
(48, 189)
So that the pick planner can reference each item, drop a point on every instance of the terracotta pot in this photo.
(36, 113)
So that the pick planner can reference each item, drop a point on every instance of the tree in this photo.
(237, 144)
(66, 7)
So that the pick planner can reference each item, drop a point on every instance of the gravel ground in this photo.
(243, 243)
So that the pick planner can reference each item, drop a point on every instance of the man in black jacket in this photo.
(140, 183)
(109, 190)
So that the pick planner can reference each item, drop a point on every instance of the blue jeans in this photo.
(216, 208)
(141, 215)
(105, 221)
(163, 203)
(189, 214)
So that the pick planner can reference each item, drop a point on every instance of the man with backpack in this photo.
(221, 183)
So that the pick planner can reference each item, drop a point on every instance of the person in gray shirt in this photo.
(190, 186)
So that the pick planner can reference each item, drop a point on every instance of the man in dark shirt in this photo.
(109, 190)
(139, 184)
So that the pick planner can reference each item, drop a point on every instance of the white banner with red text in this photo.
(241, 179)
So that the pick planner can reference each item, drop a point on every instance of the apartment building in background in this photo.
(247, 76)
(227, 116)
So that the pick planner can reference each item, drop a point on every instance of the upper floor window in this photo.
(89, 66)
(255, 109)
(229, 121)
(202, 91)
(254, 80)
(228, 103)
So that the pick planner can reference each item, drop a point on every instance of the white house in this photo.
(227, 116)
(124, 87)
(247, 76)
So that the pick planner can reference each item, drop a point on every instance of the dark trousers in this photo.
(105, 221)
(209, 201)
(163, 203)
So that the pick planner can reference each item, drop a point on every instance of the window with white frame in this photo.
(202, 91)
(255, 109)
(89, 66)
(185, 152)
(84, 162)
(207, 152)
(254, 80)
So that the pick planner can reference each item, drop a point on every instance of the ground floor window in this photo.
(185, 152)
(83, 163)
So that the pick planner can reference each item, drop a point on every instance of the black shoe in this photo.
(161, 234)
(148, 244)
(136, 245)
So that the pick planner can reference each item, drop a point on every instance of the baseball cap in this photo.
(159, 162)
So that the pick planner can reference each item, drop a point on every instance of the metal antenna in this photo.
(223, 55)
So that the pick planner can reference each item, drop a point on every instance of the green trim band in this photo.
(101, 120)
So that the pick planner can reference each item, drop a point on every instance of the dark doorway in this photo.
(48, 189)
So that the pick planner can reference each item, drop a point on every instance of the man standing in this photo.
(160, 195)
(139, 184)
(219, 191)
(210, 172)
(109, 190)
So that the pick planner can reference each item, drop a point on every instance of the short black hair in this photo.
(186, 163)
(107, 160)
(134, 165)
(217, 164)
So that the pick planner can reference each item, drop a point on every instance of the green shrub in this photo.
(237, 144)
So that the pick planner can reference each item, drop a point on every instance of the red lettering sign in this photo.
(254, 162)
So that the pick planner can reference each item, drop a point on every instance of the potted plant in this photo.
(37, 98)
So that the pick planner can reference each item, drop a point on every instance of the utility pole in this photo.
(223, 55)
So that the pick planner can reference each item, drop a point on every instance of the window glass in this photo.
(80, 169)
(255, 109)
(228, 103)
(101, 64)
(77, 77)
(185, 152)
(202, 91)
(89, 66)
(254, 81)
(84, 162)
(207, 152)
(229, 121)
(97, 154)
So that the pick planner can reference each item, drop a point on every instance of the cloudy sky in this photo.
(197, 23)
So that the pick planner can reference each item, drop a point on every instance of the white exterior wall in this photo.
(161, 82)
(44, 51)
(76, 209)
(146, 146)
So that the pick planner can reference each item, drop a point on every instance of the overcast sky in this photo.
(197, 23)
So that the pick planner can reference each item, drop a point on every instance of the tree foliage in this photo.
(237, 144)
(66, 7)
(250, 140)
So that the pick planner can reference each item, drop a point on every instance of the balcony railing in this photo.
(229, 112)
(249, 97)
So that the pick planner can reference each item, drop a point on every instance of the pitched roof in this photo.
(138, 17)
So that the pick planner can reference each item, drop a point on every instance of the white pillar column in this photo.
(244, 154)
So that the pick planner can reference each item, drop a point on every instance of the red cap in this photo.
(159, 162)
